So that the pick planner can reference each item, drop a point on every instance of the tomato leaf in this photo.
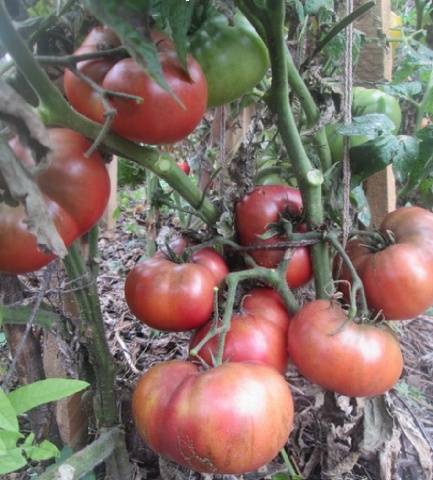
(37, 393)
(372, 124)
(373, 156)
(179, 18)
(8, 415)
(129, 19)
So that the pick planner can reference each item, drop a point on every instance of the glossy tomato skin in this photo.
(256, 212)
(169, 296)
(340, 355)
(234, 59)
(257, 334)
(398, 280)
(159, 119)
(76, 189)
(229, 420)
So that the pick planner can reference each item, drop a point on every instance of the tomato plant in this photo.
(234, 58)
(357, 360)
(171, 296)
(257, 334)
(398, 276)
(260, 210)
(76, 189)
(231, 419)
(160, 118)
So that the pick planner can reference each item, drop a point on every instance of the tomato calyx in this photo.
(377, 240)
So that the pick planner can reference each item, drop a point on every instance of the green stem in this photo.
(290, 468)
(426, 102)
(309, 178)
(419, 5)
(86, 459)
(357, 285)
(55, 110)
(274, 278)
(94, 335)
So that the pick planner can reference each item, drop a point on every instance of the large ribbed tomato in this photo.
(256, 212)
(76, 189)
(353, 359)
(257, 334)
(230, 420)
(398, 278)
(160, 118)
(175, 296)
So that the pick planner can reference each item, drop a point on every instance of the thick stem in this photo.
(54, 110)
(87, 459)
(94, 336)
(309, 178)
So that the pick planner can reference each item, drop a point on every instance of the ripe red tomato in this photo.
(160, 118)
(175, 297)
(257, 334)
(76, 189)
(256, 212)
(398, 279)
(229, 420)
(340, 355)
(184, 167)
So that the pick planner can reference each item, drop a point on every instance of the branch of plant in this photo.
(85, 460)
(72, 60)
(357, 285)
(309, 178)
(336, 29)
(93, 337)
(55, 110)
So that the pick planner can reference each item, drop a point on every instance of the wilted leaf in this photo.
(378, 424)
(22, 188)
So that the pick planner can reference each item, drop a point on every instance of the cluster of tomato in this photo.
(76, 189)
(180, 409)
(331, 350)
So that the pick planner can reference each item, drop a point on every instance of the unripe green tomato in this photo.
(270, 179)
(233, 58)
(365, 101)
